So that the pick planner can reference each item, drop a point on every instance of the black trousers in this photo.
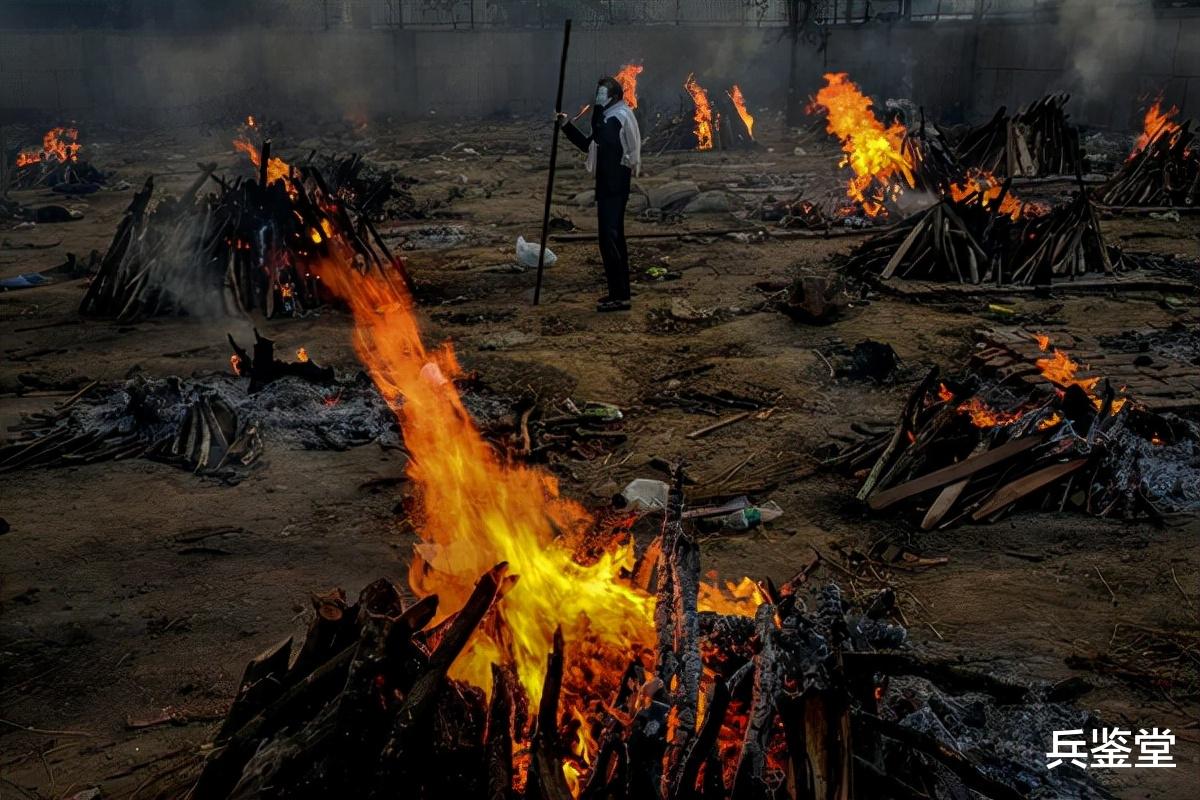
(610, 212)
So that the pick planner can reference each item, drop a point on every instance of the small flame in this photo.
(739, 102)
(983, 416)
(1060, 369)
(874, 152)
(235, 362)
(277, 168)
(58, 144)
(703, 115)
(1156, 123)
(302, 355)
(628, 78)
(984, 183)
(1043, 341)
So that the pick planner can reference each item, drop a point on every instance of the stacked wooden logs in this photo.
(365, 708)
(1036, 141)
(253, 245)
(1165, 172)
(963, 451)
(966, 241)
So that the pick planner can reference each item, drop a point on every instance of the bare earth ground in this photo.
(105, 622)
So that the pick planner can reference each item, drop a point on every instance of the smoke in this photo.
(1097, 36)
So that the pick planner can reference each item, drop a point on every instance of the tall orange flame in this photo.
(703, 115)
(739, 102)
(58, 144)
(871, 150)
(628, 78)
(475, 509)
(1155, 123)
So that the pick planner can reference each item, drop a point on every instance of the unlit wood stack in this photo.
(1037, 141)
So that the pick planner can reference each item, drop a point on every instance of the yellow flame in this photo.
(703, 114)
(872, 151)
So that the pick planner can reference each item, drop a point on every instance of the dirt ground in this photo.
(105, 622)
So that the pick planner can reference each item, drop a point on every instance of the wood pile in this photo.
(795, 705)
(965, 241)
(253, 245)
(1035, 142)
(1165, 172)
(972, 449)
(931, 157)
(375, 192)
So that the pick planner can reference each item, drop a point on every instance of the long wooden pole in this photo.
(562, 74)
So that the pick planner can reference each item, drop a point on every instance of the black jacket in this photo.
(612, 177)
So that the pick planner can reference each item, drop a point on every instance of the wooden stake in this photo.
(562, 74)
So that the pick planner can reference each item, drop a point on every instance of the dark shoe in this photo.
(614, 305)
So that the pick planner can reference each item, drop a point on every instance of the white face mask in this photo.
(602, 96)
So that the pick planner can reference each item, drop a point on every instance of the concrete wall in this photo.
(951, 68)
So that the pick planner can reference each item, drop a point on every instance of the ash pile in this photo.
(1042, 433)
(214, 426)
(809, 695)
(251, 245)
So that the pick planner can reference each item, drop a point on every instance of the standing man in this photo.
(614, 154)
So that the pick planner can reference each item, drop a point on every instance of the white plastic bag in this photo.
(527, 253)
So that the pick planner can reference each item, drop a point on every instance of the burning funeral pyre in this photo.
(1044, 432)
(788, 703)
(889, 160)
(256, 244)
(1163, 168)
(708, 124)
(56, 164)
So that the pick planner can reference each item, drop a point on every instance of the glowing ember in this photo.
(235, 363)
(703, 115)
(871, 150)
(1156, 123)
(739, 102)
(302, 355)
(58, 144)
(628, 78)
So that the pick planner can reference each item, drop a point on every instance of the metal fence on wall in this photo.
(476, 14)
